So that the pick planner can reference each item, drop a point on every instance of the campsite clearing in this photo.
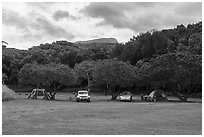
(100, 117)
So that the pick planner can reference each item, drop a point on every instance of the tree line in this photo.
(169, 59)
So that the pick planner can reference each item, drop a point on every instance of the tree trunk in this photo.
(46, 97)
(119, 89)
(89, 82)
(179, 96)
(188, 93)
(88, 87)
(175, 88)
(114, 96)
(52, 96)
(114, 93)
(185, 97)
(108, 90)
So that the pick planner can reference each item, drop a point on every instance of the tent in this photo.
(158, 95)
(36, 93)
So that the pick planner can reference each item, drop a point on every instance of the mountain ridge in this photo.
(99, 40)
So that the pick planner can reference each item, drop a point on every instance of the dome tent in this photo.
(158, 95)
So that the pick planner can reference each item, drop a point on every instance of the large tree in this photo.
(84, 72)
(52, 77)
(31, 74)
(180, 73)
(115, 74)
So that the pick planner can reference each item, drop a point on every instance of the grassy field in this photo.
(100, 116)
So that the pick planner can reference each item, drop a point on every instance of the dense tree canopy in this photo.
(153, 43)
(115, 74)
(52, 77)
(179, 72)
(84, 72)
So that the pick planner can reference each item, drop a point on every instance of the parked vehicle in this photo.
(82, 95)
(126, 96)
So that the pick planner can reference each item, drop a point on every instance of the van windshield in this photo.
(126, 93)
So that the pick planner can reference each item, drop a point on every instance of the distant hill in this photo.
(98, 41)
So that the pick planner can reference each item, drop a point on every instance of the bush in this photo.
(7, 94)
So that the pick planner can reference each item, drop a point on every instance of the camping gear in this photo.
(36, 93)
(156, 95)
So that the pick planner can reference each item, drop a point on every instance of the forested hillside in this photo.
(169, 59)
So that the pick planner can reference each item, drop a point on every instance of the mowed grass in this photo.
(99, 117)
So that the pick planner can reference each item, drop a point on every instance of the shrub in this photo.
(7, 94)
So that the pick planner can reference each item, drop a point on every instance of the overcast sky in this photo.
(29, 24)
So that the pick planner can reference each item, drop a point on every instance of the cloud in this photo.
(32, 23)
(50, 29)
(121, 15)
(189, 9)
(11, 18)
(36, 29)
(143, 16)
(40, 5)
(59, 14)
